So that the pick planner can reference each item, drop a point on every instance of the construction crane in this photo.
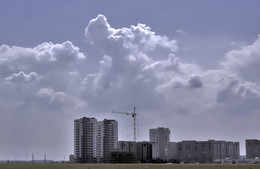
(133, 114)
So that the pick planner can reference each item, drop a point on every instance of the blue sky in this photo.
(33, 22)
(190, 65)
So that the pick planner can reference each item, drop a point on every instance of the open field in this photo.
(127, 166)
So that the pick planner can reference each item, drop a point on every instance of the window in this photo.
(180, 148)
(196, 148)
(188, 147)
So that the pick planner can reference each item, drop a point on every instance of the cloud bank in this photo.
(42, 88)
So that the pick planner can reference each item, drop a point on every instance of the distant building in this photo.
(172, 151)
(207, 151)
(233, 150)
(127, 146)
(85, 139)
(144, 152)
(140, 151)
(122, 157)
(94, 140)
(161, 138)
(100, 141)
(71, 159)
(110, 138)
(252, 149)
(125, 152)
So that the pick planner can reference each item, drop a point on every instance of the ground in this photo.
(127, 166)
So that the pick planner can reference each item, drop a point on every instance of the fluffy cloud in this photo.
(137, 63)
(240, 88)
(60, 100)
(47, 65)
(195, 81)
(22, 77)
(135, 59)
(140, 37)
(245, 61)
(234, 90)
(37, 93)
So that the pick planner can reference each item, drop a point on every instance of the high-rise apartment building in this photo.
(94, 140)
(100, 141)
(110, 138)
(252, 148)
(85, 139)
(161, 138)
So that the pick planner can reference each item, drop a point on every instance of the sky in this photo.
(191, 66)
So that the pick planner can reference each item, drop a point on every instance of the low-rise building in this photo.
(172, 151)
(144, 152)
(71, 159)
(207, 151)
(140, 151)
(122, 157)
(127, 146)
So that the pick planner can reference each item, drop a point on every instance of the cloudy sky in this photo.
(192, 66)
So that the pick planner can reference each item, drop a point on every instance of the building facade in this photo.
(85, 140)
(127, 146)
(140, 151)
(125, 152)
(207, 151)
(172, 151)
(161, 138)
(144, 152)
(252, 149)
(94, 140)
(110, 138)
(100, 141)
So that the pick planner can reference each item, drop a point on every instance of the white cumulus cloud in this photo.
(22, 77)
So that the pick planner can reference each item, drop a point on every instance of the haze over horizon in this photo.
(191, 66)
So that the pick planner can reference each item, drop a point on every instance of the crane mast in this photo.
(133, 114)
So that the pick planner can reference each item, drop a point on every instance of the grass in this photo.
(127, 166)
